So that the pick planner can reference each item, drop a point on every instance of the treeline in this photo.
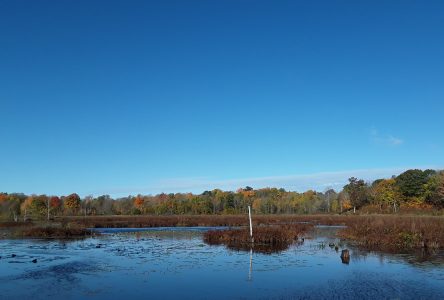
(414, 189)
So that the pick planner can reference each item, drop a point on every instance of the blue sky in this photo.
(127, 97)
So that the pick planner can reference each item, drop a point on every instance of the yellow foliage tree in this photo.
(387, 193)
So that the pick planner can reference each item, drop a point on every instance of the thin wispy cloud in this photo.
(298, 182)
(384, 139)
(394, 140)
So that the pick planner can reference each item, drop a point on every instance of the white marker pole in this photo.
(251, 224)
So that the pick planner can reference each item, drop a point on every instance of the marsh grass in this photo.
(267, 239)
(379, 232)
(10, 224)
(52, 232)
(396, 233)
(200, 220)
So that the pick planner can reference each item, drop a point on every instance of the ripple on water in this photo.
(149, 264)
(368, 285)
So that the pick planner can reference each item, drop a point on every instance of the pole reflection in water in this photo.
(250, 273)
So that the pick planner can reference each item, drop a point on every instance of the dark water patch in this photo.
(64, 271)
(367, 285)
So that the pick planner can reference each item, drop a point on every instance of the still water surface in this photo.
(174, 263)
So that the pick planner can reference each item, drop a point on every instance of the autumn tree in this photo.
(25, 206)
(357, 191)
(247, 195)
(435, 190)
(3, 197)
(10, 205)
(330, 196)
(3, 203)
(121, 206)
(229, 203)
(72, 203)
(139, 203)
(386, 192)
(409, 187)
(217, 200)
(34, 206)
(103, 205)
(55, 204)
(344, 202)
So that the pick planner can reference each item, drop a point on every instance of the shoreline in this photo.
(393, 233)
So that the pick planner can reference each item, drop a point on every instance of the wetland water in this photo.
(174, 263)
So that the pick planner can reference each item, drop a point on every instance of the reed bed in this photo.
(10, 224)
(396, 233)
(155, 221)
(56, 232)
(383, 232)
(265, 238)
(201, 220)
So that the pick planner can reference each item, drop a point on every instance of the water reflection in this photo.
(259, 248)
(345, 256)
(177, 264)
(250, 272)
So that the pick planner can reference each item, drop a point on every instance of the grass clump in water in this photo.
(265, 238)
(396, 233)
(51, 231)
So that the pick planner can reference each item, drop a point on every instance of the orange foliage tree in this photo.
(72, 203)
(139, 203)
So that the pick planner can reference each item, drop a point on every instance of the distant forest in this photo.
(410, 191)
